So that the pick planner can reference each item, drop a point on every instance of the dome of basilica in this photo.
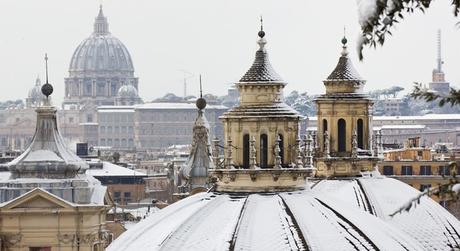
(36, 93)
(127, 91)
(101, 51)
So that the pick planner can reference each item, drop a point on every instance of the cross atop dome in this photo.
(101, 26)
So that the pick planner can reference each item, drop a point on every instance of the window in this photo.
(424, 187)
(127, 194)
(425, 170)
(263, 150)
(324, 125)
(246, 151)
(341, 135)
(388, 170)
(406, 170)
(117, 195)
(360, 134)
(89, 118)
(70, 120)
(444, 170)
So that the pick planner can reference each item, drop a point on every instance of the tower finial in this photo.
(261, 32)
(201, 102)
(344, 42)
(344, 39)
(47, 88)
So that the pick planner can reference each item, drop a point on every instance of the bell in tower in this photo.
(346, 146)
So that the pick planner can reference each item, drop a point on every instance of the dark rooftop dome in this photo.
(261, 70)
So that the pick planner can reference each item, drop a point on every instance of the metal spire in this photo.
(440, 62)
(47, 88)
(261, 23)
(201, 89)
(344, 43)
(46, 66)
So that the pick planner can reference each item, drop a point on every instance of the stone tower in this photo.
(344, 134)
(261, 116)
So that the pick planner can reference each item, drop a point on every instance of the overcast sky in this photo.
(217, 38)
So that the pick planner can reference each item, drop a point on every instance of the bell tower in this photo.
(261, 119)
(346, 145)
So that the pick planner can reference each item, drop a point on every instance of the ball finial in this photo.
(47, 89)
(201, 103)
(261, 33)
(344, 41)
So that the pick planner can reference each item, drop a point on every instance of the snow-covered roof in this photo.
(109, 169)
(283, 221)
(428, 223)
(452, 116)
(48, 152)
(174, 105)
(383, 127)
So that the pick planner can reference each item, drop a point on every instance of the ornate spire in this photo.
(47, 156)
(200, 160)
(101, 26)
(261, 70)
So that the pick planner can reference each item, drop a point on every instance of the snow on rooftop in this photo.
(428, 223)
(172, 105)
(388, 127)
(280, 221)
(452, 116)
(109, 169)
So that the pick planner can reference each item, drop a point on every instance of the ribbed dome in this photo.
(127, 91)
(282, 221)
(101, 51)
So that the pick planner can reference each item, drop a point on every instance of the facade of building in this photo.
(47, 202)
(116, 127)
(124, 185)
(160, 125)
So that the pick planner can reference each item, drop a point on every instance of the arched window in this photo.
(246, 151)
(324, 126)
(263, 150)
(281, 147)
(341, 135)
(360, 134)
